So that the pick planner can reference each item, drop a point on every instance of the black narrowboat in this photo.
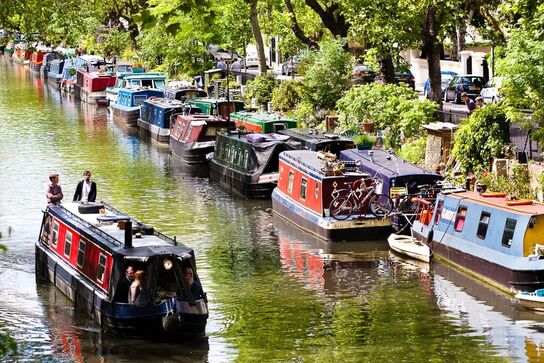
(85, 249)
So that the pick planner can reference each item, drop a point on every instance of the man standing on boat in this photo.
(86, 189)
(54, 191)
(121, 294)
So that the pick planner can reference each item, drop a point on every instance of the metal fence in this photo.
(519, 136)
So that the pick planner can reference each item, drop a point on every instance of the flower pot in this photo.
(364, 146)
(368, 126)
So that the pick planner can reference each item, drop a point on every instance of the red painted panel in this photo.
(312, 201)
(248, 126)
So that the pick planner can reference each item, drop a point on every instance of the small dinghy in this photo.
(409, 246)
(532, 300)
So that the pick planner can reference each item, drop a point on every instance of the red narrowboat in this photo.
(193, 136)
(89, 250)
(36, 61)
(307, 188)
(90, 87)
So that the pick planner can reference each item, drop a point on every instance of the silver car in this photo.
(491, 91)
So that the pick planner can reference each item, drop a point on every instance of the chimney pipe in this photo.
(128, 234)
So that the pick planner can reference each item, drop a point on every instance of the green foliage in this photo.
(112, 42)
(396, 108)
(517, 185)
(364, 139)
(7, 345)
(414, 150)
(305, 114)
(480, 138)
(287, 95)
(261, 88)
(328, 74)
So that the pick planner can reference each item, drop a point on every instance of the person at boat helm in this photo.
(86, 189)
(121, 293)
(54, 191)
(190, 278)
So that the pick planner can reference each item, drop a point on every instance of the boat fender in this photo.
(172, 323)
(430, 236)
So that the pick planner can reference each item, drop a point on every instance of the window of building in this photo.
(303, 187)
(460, 219)
(508, 234)
(290, 181)
(68, 244)
(482, 225)
(55, 239)
(101, 267)
(81, 252)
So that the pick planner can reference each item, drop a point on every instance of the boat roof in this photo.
(141, 89)
(500, 202)
(109, 234)
(212, 100)
(309, 160)
(385, 163)
(164, 102)
(147, 75)
(203, 117)
(254, 138)
(313, 135)
(259, 117)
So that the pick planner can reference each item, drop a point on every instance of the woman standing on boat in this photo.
(136, 287)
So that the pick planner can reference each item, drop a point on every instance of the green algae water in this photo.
(275, 293)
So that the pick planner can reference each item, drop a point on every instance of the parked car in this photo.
(363, 74)
(250, 61)
(445, 78)
(470, 84)
(290, 66)
(404, 75)
(491, 91)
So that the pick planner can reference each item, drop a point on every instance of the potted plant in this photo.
(364, 141)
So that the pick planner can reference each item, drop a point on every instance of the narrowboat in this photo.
(193, 136)
(87, 251)
(127, 108)
(8, 51)
(22, 54)
(153, 80)
(217, 106)
(307, 187)
(497, 240)
(69, 71)
(54, 76)
(46, 64)
(90, 87)
(263, 122)
(156, 115)
(36, 61)
(182, 91)
(318, 140)
(248, 163)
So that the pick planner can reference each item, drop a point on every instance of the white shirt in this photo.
(85, 191)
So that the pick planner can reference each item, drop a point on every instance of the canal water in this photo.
(275, 293)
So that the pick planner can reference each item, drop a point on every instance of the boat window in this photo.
(101, 267)
(303, 186)
(138, 100)
(232, 153)
(290, 181)
(438, 211)
(508, 233)
(278, 127)
(135, 82)
(55, 239)
(188, 133)
(147, 82)
(482, 226)
(81, 252)
(68, 244)
(246, 157)
(159, 84)
(316, 191)
(460, 219)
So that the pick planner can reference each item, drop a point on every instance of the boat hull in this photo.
(88, 97)
(54, 81)
(190, 156)
(244, 184)
(127, 116)
(171, 319)
(156, 133)
(409, 246)
(327, 227)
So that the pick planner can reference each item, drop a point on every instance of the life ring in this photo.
(519, 202)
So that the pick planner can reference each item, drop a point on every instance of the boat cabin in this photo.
(193, 136)
(264, 122)
(134, 97)
(154, 80)
(216, 106)
(318, 140)
(156, 115)
(399, 176)
(54, 76)
(307, 185)
(36, 60)
(94, 81)
(182, 91)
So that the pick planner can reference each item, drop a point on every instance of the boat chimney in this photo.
(128, 234)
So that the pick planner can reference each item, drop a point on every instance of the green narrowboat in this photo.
(216, 106)
(263, 122)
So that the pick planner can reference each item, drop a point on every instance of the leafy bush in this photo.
(286, 96)
(516, 185)
(328, 74)
(396, 108)
(480, 138)
(261, 88)
(414, 150)
(306, 116)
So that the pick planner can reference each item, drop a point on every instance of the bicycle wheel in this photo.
(340, 208)
(381, 205)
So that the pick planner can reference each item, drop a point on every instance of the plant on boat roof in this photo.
(364, 139)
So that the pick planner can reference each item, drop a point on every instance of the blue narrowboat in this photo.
(89, 252)
(153, 80)
(306, 189)
(69, 71)
(498, 240)
(156, 115)
(46, 65)
(127, 108)
(54, 76)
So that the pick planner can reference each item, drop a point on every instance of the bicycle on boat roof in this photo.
(357, 195)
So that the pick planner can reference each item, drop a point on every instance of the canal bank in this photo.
(275, 294)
